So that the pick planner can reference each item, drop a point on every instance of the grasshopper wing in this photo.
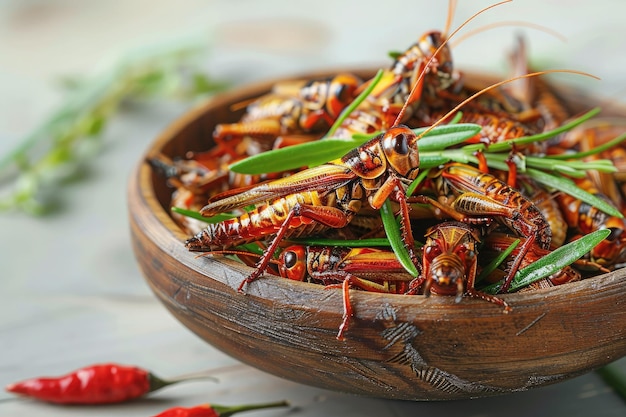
(322, 178)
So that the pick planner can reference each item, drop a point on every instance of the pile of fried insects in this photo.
(410, 181)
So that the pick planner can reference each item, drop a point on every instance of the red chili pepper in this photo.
(208, 410)
(96, 384)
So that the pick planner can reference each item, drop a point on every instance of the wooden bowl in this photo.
(400, 347)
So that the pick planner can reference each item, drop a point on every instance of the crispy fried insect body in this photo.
(369, 269)
(292, 108)
(582, 219)
(450, 261)
(548, 205)
(402, 88)
(327, 196)
(468, 195)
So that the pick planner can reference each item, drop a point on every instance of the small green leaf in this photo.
(554, 261)
(457, 118)
(569, 187)
(392, 229)
(596, 149)
(444, 136)
(195, 215)
(436, 139)
(508, 145)
(203, 84)
(489, 268)
(253, 248)
(395, 54)
(558, 259)
(294, 157)
(547, 163)
(433, 160)
(95, 125)
(568, 171)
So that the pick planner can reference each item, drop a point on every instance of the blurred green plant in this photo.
(615, 377)
(55, 150)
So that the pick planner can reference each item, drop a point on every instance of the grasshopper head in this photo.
(446, 273)
(440, 71)
(400, 147)
(341, 92)
(449, 257)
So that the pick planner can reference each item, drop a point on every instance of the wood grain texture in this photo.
(401, 347)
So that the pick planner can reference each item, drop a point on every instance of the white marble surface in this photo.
(71, 293)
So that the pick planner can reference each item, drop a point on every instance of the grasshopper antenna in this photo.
(451, 10)
(508, 23)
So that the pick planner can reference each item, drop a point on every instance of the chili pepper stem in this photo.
(226, 411)
(157, 383)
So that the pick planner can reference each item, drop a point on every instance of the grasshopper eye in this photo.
(431, 252)
(615, 234)
(293, 263)
(290, 259)
(401, 144)
(341, 92)
(397, 142)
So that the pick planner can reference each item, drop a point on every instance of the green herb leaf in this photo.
(294, 157)
(569, 187)
(576, 169)
(508, 145)
(553, 262)
(392, 229)
(489, 268)
(434, 159)
(254, 249)
(441, 137)
(417, 181)
(548, 163)
(457, 118)
(596, 149)
(558, 259)
(195, 215)
(444, 136)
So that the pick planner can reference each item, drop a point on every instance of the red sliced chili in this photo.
(208, 410)
(96, 384)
